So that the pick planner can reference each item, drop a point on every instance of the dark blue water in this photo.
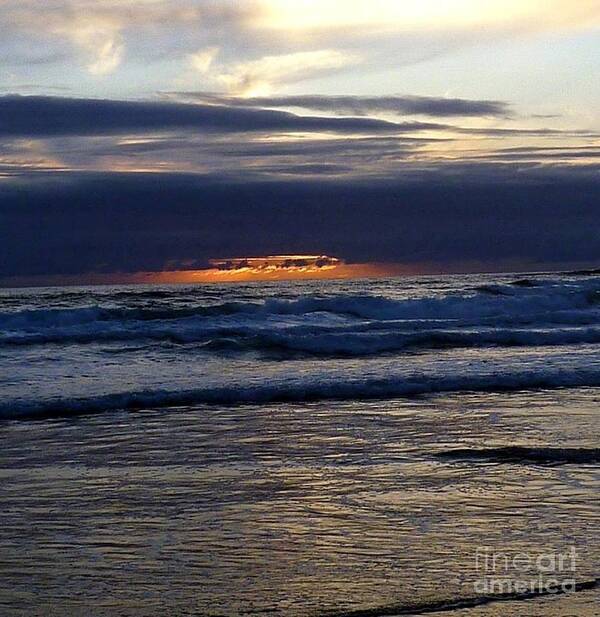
(101, 349)
(295, 448)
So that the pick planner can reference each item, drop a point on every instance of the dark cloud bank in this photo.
(50, 116)
(44, 116)
(77, 223)
(363, 105)
(444, 215)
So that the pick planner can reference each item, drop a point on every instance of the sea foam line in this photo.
(292, 392)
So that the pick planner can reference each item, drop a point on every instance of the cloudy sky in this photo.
(145, 136)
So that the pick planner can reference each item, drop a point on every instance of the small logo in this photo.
(505, 572)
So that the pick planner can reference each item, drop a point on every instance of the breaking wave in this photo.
(296, 392)
(523, 312)
(322, 341)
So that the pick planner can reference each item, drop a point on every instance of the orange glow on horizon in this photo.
(240, 275)
(275, 268)
(234, 270)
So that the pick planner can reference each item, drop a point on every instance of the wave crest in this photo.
(544, 313)
(294, 392)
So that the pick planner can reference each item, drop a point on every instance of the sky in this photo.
(171, 140)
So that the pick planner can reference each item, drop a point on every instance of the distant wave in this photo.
(585, 272)
(529, 299)
(517, 314)
(382, 388)
(358, 340)
(60, 317)
(525, 454)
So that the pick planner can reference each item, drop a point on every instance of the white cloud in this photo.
(396, 15)
(202, 60)
(262, 76)
(384, 33)
(98, 29)
(99, 39)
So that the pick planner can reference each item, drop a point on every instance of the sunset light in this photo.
(275, 268)
(299, 308)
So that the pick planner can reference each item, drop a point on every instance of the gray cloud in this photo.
(100, 32)
(43, 116)
(48, 116)
(42, 132)
(364, 105)
(69, 223)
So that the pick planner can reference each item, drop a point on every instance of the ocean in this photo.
(312, 448)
